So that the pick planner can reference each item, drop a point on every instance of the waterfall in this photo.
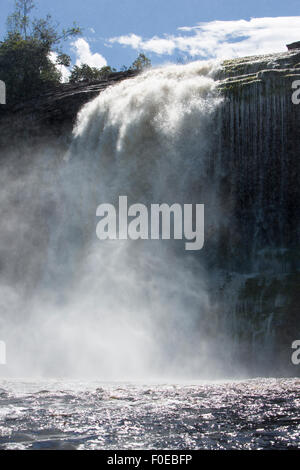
(128, 309)
(125, 309)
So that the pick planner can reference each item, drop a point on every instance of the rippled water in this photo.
(255, 414)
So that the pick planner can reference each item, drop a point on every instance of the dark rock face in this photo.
(52, 115)
(258, 146)
(260, 194)
(293, 45)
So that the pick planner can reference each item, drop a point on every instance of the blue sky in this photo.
(115, 31)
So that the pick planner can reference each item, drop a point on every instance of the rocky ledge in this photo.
(53, 113)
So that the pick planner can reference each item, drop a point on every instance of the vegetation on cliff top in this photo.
(87, 73)
(32, 50)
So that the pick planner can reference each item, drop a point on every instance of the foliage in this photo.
(18, 22)
(86, 73)
(25, 64)
(25, 67)
(141, 62)
(26, 55)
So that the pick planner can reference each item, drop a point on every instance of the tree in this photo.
(25, 67)
(141, 62)
(63, 59)
(25, 63)
(86, 73)
(47, 32)
(43, 29)
(19, 21)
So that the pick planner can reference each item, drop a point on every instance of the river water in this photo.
(252, 414)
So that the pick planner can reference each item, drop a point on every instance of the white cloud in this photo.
(65, 72)
(222, 39)
(85, 56)
(131, 40)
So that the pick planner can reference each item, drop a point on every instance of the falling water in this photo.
(73, 305)
(120, 309)
(93, 317)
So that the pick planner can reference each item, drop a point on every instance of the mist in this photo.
(75, 306)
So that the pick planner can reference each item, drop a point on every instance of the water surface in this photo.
(253, 414)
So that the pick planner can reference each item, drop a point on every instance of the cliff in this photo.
(256, 163)
(54, 113)
(51, 115)
(260, 190)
